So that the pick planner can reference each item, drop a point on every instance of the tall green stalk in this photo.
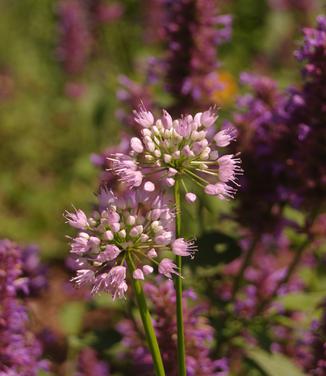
(147, 322)
(178, 286)
(245, 263)
(292, 267)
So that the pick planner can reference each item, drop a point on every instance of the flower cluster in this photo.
(128, 231)
(185, 148)
(305, 115)
(198, 335)
(20, 352)
(261, 129)
(283, 138)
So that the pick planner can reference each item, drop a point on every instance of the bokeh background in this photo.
(64, 70)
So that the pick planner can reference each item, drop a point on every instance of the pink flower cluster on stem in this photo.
(137, 225)
(185, 148)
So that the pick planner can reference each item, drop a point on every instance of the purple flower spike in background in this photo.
(89, 364)
(305, 117)
(20, 352)
(75, 37)
(192, 32)
(34, 270)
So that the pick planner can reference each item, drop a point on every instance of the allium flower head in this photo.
(184, 148)
(136, 228)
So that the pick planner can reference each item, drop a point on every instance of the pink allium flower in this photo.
(190, 197)
(185, 148)
(220, 190)
(77, 219)
(138, 274)
(144, 118)
(224, 137)
(147, 269)
(138, 227)
(181, 247)
(167, 268)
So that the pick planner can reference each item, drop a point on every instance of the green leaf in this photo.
(274, 364)
(301, 301)
(294, 215)
(71, 317)
(44, 373)
(215, 248)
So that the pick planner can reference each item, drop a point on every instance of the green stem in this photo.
(296, 258)
(245, 263)
(147, 322)
(292, 267)
(73, 349)
(178, 286)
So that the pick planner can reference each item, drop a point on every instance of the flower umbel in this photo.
(185, 148)
(138, 226)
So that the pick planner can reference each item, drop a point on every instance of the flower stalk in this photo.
(147, 321)
(245, 263)
(178, 286)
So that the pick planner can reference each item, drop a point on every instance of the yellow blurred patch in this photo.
(226, 94)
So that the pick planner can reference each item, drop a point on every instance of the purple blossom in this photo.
(192, 32)
(293, 5)
(79, 21)
(261, 128)
(34, 270)
(305, 114)
(282, 136)
(20, 352)
(75, 36)
(89, 364)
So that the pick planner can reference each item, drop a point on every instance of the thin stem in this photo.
(147, 322)
(71, 362)
(295, 261)
(244, 265)
(178, 286)
(195, 176)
